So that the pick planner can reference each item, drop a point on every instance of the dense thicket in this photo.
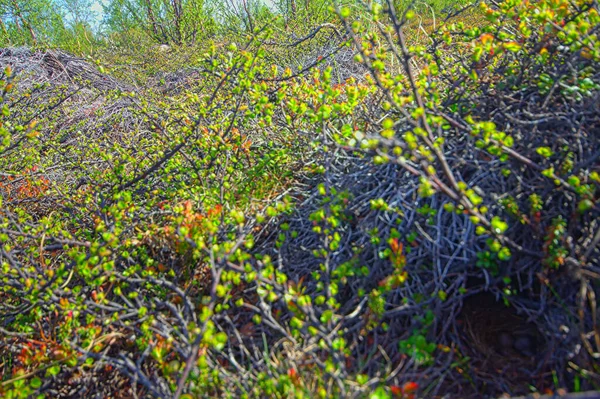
(302, 200)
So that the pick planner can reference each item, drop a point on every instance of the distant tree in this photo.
(21, 21)
(244, 15)
(78, 11)
(165, 21)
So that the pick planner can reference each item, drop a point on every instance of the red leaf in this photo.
(410, 387)
(396, 390)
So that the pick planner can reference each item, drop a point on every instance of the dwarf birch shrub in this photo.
(270, 232)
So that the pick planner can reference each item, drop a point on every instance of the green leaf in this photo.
(54, 370)
(548, 172)
(574, 181)
(326, 316)
(546, 152)
(499, 226)
(504, 254)
(512, 46)
(35, 382)
(380, 393)
(362, 379)
(585, 205)
(442, 295)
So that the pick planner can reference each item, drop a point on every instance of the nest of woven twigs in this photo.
(57, 67)
(501, 342)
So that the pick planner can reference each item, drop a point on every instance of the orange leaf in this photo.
(410, 387)
(394, 245)
(486, 38)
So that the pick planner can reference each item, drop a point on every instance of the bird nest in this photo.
(56, 67)
(502, 342)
